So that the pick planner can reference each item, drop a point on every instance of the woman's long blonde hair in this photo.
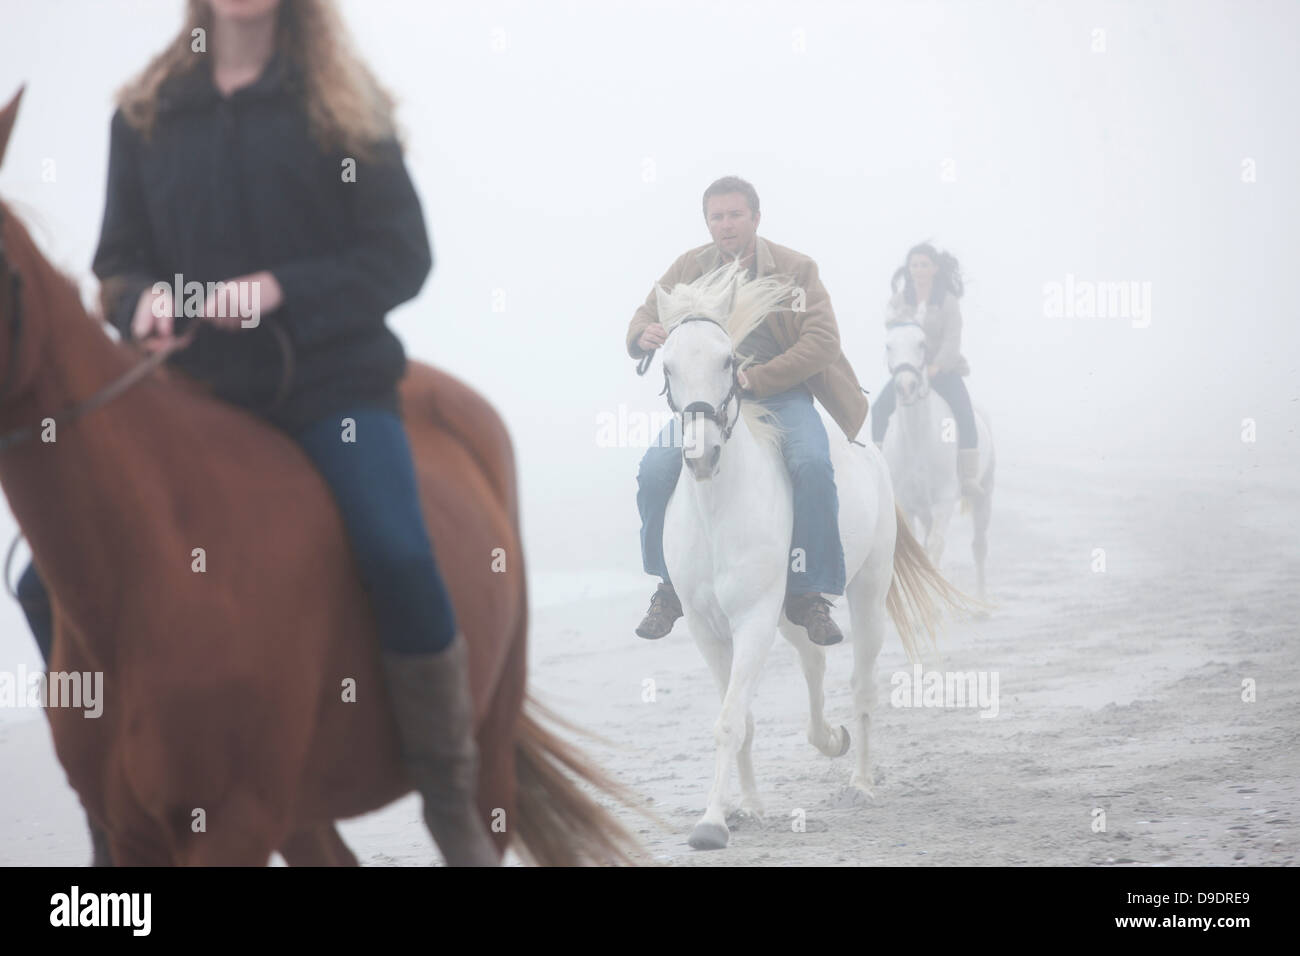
(346, 106)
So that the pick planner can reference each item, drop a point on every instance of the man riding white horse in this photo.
(796, 356)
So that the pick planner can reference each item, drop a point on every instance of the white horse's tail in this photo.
(918, 593)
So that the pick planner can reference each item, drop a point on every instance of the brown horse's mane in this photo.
(60, 296)
(35, 267)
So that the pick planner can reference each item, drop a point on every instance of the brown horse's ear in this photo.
(7, 117)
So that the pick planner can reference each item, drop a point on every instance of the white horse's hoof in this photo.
(709, 836)
(848, 741)
(861, 790)
(746, 817)
(827, 744)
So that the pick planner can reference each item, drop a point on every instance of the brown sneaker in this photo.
(665, 609)
(812, 611)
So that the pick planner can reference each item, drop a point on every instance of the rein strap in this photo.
(105, 395)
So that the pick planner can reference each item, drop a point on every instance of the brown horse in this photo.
(243, 709)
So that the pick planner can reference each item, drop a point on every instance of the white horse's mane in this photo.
(710, 297)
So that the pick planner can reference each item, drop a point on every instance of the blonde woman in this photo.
(257, 149)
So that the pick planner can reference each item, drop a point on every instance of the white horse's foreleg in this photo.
(940, 518)
(717, 650)
(983, 511)
(715, 647)
(866, 594)
(717, 653)
(831, 741)
(980, 543)
(749, 799)
(750, 644)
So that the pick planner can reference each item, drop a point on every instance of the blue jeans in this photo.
(373, 483)
(807, 454)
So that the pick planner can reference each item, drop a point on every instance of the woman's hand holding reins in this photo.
(154, 321)
(270, 297)
(152, 324)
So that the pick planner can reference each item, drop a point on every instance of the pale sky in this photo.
(560, 150)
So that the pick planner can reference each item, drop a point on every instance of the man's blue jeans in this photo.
(373, 482)
(807, 452)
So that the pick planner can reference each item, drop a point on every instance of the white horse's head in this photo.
(905, 356)
(705, 321)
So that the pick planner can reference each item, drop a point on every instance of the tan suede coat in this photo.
(810, 338)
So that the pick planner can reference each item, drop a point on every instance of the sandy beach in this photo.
(1120, 699)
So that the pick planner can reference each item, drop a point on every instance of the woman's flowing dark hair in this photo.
(947, 276)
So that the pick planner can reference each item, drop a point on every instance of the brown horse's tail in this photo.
(556, 822)
(918, 593)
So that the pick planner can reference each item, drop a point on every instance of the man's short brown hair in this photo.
(731, 184)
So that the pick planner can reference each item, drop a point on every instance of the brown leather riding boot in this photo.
(435, 723)
(812, 611)
(665, 609)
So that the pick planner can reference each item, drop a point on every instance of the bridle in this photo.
(16, 318)
(120, 384)
(719, 416)
(894, 370)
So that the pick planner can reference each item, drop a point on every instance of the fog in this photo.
(561, 149)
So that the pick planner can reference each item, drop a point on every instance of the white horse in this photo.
(921, 448)
(727, 537)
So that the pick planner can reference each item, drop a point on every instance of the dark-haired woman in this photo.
(926, 290)
(257, 149)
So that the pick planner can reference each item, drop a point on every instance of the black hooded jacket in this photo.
(224, 187)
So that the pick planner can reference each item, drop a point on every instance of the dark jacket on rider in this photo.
(227, 186)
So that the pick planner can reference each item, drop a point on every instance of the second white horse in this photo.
(921, 448)
(727, 540)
